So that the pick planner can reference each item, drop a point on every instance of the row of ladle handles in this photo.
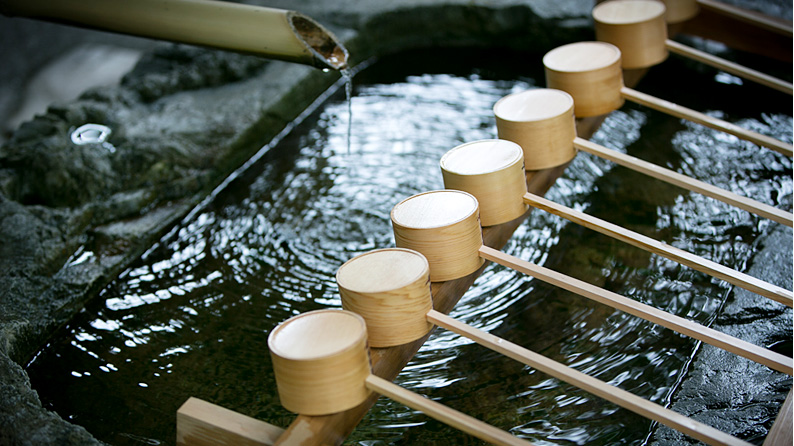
(314, 382)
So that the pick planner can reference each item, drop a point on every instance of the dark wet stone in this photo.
(725, 391)
(23, 422)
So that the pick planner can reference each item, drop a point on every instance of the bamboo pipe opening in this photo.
(543, 136)
(638, 29)
(269, 32)
(590, 72)
(492, 170)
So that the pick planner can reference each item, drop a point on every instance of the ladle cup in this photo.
(639, 29)
(538, 141)
(321, 363)
(376, 266)
(591, 73)
(443, 220)
(492, 170)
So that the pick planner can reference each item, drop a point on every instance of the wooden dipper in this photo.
(493, 171)
(637, 27)
(590, 72)
(320, 360)
(537, 120)
(680, 10)
(390, 289)
(566, 140)
(444, 226)
(321, 363)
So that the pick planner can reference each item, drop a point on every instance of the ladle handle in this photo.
(442, 413)
(713, 269)
(754, 18)
(586, 382)
(667, 175)
(729, 67)
(761, 355)
(703, 119)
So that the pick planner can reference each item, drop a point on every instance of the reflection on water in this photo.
(192, 317)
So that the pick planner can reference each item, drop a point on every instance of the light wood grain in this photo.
(492, 170)
(636, 27)
(590, 72)
(781, 432)
(541, 121)
(678, 324)
(729, 67)
(320, 360)
(444, 226)
(678, 11)
(689, 183)
(443, 413)
(618, 396)
(713, 269)
(199, 423)
(387, 362)
(708, 121)
(390, 289)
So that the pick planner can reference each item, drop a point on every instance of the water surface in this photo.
(192, 317)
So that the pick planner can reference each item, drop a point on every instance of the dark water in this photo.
(192, 317)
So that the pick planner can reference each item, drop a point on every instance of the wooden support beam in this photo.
(199, 423)
(781, 432)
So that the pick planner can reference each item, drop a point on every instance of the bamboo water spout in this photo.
(272, 33)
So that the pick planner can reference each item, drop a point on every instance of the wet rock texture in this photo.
(73, 217)
(728, 392)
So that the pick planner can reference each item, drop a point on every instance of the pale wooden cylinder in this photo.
(493, 171)
(321, 361)
(680, 10)
(444, 226)
(637, 27)
(390, 289)
(542, 122)
(590, 72)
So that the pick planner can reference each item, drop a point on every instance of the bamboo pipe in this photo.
(713, 269)
(374, 275)
(638, 28)
(321, 363)
(446, 233)
(541, 122)
(273, 33)
(591, 73)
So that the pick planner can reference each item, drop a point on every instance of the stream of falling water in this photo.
(192, 317)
